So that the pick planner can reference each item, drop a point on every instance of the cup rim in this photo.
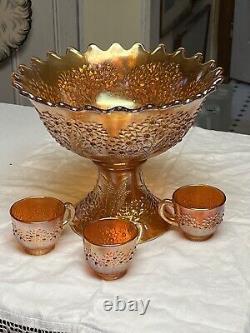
(111, 218)
(202, 185)
(35, 197)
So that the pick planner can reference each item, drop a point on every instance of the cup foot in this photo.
(39, 252)
(111, 277)
(197, 238)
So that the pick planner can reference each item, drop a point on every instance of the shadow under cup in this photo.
(109, 246)
(38, 222)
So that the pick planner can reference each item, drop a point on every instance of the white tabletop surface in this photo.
(192, 286)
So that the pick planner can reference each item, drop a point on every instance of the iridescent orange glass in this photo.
(196, 210)
(38, 222)
(110, 245)
(164, 92)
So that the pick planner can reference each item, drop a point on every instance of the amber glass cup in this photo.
(196, 210)
(38, 222)
(109, 246)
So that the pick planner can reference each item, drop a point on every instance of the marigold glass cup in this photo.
(38, 222)
(109, 245)
(196, 210)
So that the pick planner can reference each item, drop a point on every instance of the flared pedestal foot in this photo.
(121, 192)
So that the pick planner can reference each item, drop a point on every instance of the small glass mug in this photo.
(38, 222)
(109, 245)
(196, 209)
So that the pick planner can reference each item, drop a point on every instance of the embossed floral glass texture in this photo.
(110, 245)
(165, 91)
(38, 222)
(196, 209)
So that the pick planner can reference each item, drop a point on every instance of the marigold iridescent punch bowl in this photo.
(150, 101)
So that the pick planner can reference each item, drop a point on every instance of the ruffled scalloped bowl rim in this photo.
(94, 48)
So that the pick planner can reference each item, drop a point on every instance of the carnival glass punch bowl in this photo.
(118, 108)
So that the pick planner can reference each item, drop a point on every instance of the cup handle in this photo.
(166, 211)
(140, 228)
(69, 213)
